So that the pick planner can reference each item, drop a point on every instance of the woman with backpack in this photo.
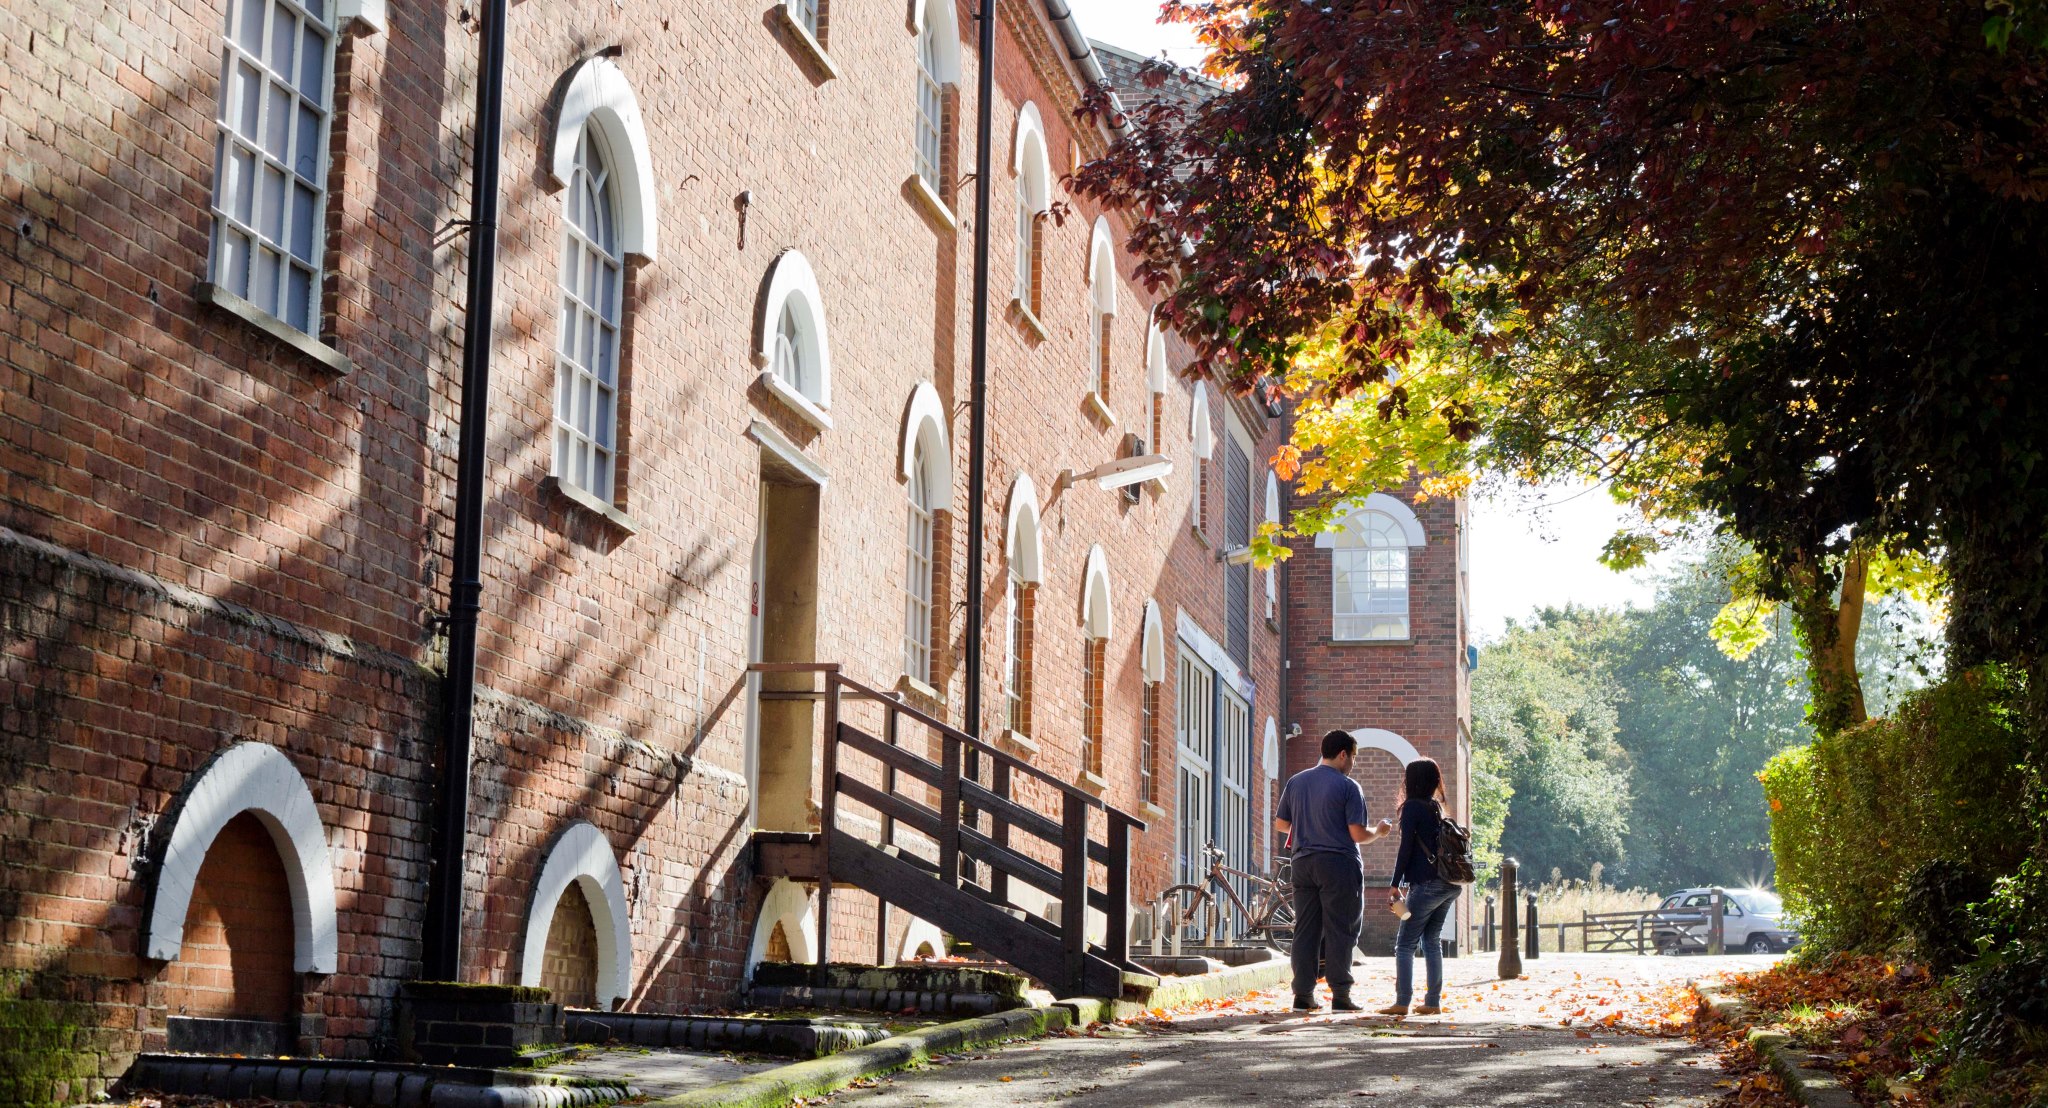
(1432, 869)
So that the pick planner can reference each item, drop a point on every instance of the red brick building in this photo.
(727, 427)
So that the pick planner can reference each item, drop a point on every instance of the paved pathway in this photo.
(1579, 1030)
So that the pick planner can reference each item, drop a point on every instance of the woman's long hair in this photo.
(1422, 780)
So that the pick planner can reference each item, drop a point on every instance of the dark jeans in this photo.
(1329, 908)
(1428, 904)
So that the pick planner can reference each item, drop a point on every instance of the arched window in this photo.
(1202, 438)
(792, 346)
(1033, 167)
(938, 69)
(270, 168)
(1155, 381)
(1369, 579)
(1101, 311)
(1023, 549)
(1369, 567)
(587, 342)
(1095, 628)
(917, 573)
(1152, 657)
(928, 483)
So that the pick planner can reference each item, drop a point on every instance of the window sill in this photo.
(811, 47)
(1020, 741)
(325, 356)
(931, 203)
(1272, 625)
(610, 513)
(1200, 535)
(1091, 783)
(1371, 642)
(1100, 407)
(911, 686)
(1030, 321)
(802, 405)
(1149, 809)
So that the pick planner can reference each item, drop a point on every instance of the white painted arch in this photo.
(1391, 506)
(938, 17)
(1023, 542)
(788, 904)
(1152, 647)
(599, 96)
(581, 854)
(1030, 160)
(1155, 355)
(256, 778)
(1102, 266)
(1199, 430)
(924, 425)
(793, 284)
(1271, 759)
(921, 934)
(1096, 607)
(1379, 738)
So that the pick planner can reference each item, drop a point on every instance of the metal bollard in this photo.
(1510, 940)
(1560, 937)
(1486, 929)
(1535, 931)
(1717, 927)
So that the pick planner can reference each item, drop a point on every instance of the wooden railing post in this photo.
(1717, 927)
(889, 718)
(949, 811)
(999, 831)
(1117, 937)
(828, 811)
(1074, 891)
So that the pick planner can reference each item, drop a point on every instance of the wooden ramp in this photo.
(966, 835)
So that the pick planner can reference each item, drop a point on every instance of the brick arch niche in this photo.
(578, 930)
(787, 928)
(243, 896)
(1382, 758)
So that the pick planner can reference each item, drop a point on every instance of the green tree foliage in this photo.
(1858, 812)
(1543, 714)
(1697, 726)
(1780, 263)
(1579, 707)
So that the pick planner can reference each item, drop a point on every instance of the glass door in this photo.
(1195, 733)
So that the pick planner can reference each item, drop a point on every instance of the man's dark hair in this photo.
(1339, 742)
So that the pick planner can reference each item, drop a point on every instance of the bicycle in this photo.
(1269, 916)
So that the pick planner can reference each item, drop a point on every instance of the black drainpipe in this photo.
(977, 438)
(465, 583)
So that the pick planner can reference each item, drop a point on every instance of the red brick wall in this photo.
(212, 539)
(1417, 689)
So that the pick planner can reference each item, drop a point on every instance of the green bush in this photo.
(1855, 813)
(1934, 913)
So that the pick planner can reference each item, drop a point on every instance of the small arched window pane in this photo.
(789, 362)
(930, 107)
(1369, 579)
(917, 574)
(587, 346)
(1027, 246)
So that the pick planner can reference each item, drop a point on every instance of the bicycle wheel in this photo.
(1195, 909)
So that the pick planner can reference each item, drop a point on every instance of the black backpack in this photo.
(1453, 859)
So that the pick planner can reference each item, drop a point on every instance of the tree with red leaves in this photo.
(1775, 263)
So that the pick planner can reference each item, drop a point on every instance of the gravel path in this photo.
(1577, 1030)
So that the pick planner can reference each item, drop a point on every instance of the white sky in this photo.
(1529, 550)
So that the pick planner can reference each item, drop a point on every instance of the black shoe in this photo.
(1345, 1004)
(1306, 1004)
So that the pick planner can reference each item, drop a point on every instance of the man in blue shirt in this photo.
(1323, 810)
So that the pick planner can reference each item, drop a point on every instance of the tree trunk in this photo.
(1829, 619)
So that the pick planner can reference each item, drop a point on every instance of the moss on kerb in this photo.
(909, 979)
(466, 993)
(40, 1060)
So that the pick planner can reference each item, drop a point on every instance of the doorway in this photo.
(784, 628)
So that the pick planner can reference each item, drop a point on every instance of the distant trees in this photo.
(1626, 738)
